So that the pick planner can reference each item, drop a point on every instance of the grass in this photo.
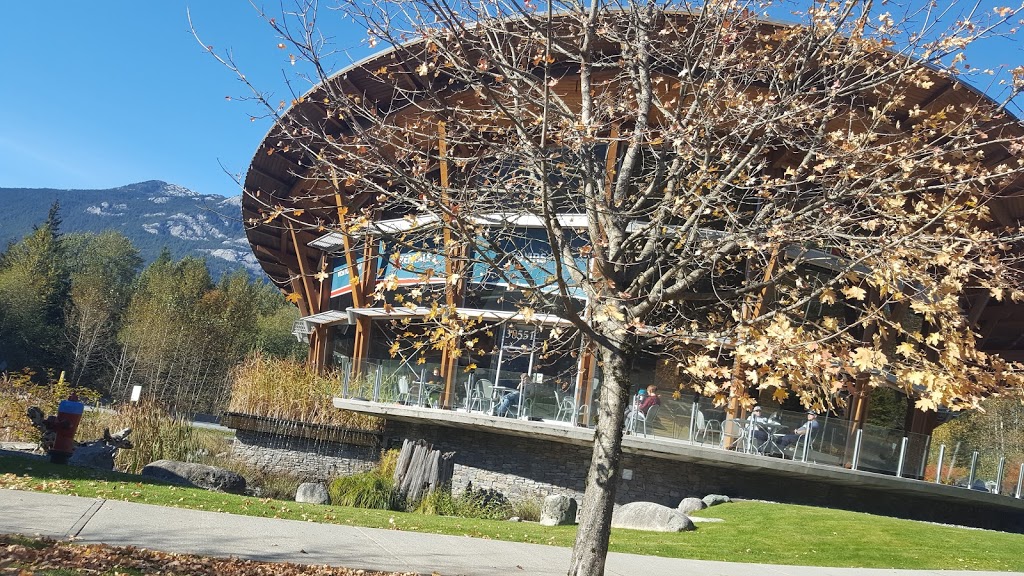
(756, 532)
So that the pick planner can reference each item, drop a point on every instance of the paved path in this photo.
(92, 520)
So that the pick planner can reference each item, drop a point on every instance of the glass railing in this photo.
(697, 421)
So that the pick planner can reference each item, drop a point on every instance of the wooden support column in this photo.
(860, 399)
(454, 264)
(363, 287)
(749, 309)
(585, 384)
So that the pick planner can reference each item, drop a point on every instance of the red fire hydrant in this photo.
(69, 414)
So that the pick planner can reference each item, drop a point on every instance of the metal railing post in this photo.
(974, 469)
(420, 387)
(938, 467)
(856, 448)
(1020, 480)
(903, 454)
(693, 420)
(377, 377)
(999, 474)
(924, 457)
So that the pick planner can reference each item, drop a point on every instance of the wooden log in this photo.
(421, 470)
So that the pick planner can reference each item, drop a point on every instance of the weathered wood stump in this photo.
(422, 470)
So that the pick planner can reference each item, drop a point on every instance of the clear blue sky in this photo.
(105, 93)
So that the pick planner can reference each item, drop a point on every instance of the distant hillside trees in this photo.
(33, 288)
(82, 304)
(102, 272)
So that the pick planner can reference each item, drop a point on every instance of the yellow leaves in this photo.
(321, 275)
(780, 395)
(828, 296)
(529, 314)
(293, 297)
(867, 359)
(855, 293)
(422, 69)
(1003, 11)
(906, 349)
(278, 210)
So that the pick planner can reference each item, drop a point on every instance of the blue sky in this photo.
(105, 93)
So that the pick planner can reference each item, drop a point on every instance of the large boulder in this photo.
(312, 493)
(691, 505)
(195, 475)
(558, 510)
(650, 516)
(715, 499)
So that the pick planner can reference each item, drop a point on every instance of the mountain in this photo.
(152, 214)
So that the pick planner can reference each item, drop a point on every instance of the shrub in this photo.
(527, 509)
(364, 490)
(18, 393)
(481, 504)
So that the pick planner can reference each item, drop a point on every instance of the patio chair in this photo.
(475, 396)
(404, 396)
(565, 406)
(704, 427)
(639, 418)
(802, 448)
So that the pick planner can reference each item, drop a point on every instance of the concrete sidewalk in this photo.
(119, 523)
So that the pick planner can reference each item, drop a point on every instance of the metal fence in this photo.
(871, 448)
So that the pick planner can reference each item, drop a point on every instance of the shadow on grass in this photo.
(20, 463)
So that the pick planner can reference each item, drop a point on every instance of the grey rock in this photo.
(196, 475)
(691, 505)
(312, 493)
(558, 510)
(651, 517)
(715, 499)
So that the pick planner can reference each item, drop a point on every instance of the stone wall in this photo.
(523, 467)
(303, 457)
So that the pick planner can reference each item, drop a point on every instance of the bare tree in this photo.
(810, 209)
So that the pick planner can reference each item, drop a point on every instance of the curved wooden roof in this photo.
(277, 173)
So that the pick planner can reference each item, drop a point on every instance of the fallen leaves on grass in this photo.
(15, 482)
(22, 555)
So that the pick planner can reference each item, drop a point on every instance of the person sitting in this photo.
(811, 426)
(432, 387)
(513, 398)
(648, 400)
(758, 432)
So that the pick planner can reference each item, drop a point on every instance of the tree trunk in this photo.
(591, 546)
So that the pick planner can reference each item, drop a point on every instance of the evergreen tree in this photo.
(33, 287)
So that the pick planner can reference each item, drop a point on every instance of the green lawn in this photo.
(751, 532)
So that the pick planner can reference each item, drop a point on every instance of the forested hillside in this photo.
(154, 215)
(87, 305)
